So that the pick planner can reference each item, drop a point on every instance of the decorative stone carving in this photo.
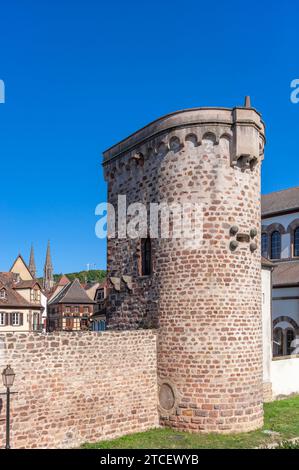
(233, 245)
(253, 233)
(253, 247)
(234, 230)
(243, 237)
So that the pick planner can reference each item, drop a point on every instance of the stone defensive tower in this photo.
(205, 299)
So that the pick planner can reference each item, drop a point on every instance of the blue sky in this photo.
(80, 75)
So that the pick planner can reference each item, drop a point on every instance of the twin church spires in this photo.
(48, 280)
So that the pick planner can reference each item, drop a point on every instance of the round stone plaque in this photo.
(166, 397)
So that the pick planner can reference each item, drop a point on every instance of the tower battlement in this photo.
(242, 127)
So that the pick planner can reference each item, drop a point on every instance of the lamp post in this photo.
(8, 377)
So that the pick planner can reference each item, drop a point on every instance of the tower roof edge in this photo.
(204, 116)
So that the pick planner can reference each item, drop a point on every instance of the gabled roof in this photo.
(103, 284)
(72, 293)
(280, 201)
(27, 284)
(64, 280)
(7, 279)
(52, 293)
(23, 262)
(92, 289)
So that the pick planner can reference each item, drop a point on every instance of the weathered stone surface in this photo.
(78, 387)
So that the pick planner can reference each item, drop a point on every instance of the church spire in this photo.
(48, 270)
(32, 265)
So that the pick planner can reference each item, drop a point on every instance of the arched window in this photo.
(264, 245)
(146, 257)
(278, 342)
(289, 338)
(296, 242)
(283, 341)
(275, 245)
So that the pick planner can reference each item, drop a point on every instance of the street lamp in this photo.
(8, 377)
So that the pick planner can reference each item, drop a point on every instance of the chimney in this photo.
(247, 103)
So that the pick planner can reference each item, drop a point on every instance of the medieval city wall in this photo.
(79, 387)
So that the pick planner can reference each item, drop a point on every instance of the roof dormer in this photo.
(3, 293)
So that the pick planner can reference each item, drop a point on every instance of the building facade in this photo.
(280, 243)
(99, 293)
(267, 327)
(71, 309)
(207, 299)
(21, 308)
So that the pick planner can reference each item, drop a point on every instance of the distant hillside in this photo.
(94, 275)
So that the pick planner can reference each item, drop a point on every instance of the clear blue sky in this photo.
(80, 75)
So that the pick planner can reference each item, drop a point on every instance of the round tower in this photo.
(204, 296)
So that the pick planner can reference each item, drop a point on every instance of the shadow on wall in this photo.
(2, 416)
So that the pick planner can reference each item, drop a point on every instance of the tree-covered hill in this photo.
(94, 275)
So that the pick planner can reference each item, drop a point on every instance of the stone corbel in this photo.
(128, 281)
(115, 281)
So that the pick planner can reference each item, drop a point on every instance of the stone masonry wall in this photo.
(267, 392)
(79, 387)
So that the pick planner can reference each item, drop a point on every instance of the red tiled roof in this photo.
(13, 298)
(63, 281)
(27, 284)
